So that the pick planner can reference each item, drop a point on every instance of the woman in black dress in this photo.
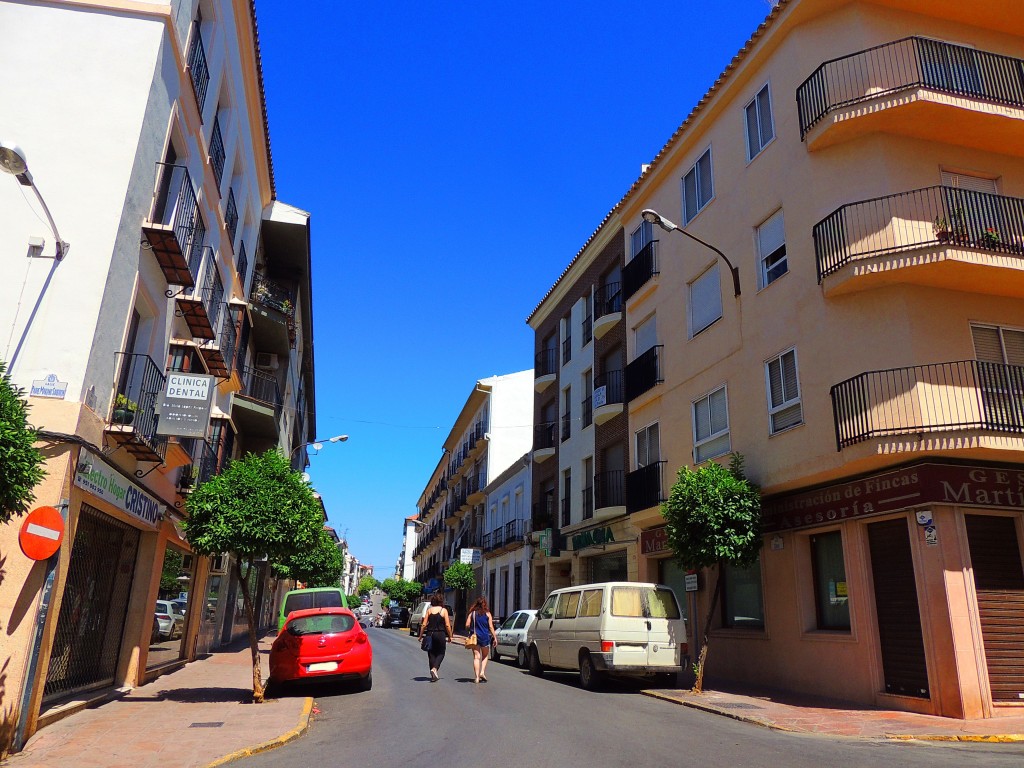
(439, 626)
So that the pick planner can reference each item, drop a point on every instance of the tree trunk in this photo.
(698, 685)
(254, 646)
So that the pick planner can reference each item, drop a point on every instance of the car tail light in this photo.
(362, 638)
(607, 646)
(162, 616)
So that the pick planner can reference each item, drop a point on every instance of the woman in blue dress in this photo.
(481, 623)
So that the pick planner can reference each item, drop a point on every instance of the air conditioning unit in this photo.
(266, 361)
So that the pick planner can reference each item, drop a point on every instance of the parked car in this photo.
(397, 616)
(322, 643)
(613, 628)
(416, 617)
(171, 621)
(512, 637)
(303, 599)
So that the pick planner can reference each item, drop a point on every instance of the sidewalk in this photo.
(199, 715)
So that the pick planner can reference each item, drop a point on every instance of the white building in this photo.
(507, 549)
(405, 568)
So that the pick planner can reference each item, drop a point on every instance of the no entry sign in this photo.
(41, 533)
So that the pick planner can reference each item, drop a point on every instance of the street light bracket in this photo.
(653, 217)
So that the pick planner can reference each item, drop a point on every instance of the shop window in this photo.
(830, 590)
(742, 600)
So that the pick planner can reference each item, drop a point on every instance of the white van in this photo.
(614, 628)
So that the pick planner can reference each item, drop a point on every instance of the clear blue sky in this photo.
(455, 158)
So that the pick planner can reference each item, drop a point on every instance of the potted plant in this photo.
(990, 238)
(286, 307)
(943, 231)
(124, 410)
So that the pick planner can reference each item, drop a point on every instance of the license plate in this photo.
(322, 666)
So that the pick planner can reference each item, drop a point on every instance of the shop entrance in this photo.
(609, 568)
(999, 584)
(90, 627)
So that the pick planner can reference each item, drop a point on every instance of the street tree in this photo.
(319, 566)
(713, 519)
(392, 589)
(21, 465)
(411, 590)
(459, 576)
(366, 585)
(257, 508)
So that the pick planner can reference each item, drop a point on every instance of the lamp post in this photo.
(653, 217)
(318, 444)
(12, 161)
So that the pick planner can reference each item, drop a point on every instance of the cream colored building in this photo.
(862, 167)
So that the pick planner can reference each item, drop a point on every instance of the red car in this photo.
(320, 643)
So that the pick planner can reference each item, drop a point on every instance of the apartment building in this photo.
(174, 262)
(825, 265)
(492, 431)
(405, 567)
(506, 543)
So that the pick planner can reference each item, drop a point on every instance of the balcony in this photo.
(566, 349)
(219, 353)
(915, 87)
(644, 373)
(172, 224)
(273, 315)
(243, 267)
(957, 397)
(545, 368)
(944, 237)
(231, 218)
(544, 442)
(256, 408)
(645, 487)
(609, 494)
(133, 419)
(588, 502)
(566, 425)
(639, 270)
(588, 411)
(200, 305)
(608, 396)
(197, 68)
(217, 154)
(566, 519)
(202, 468)
(475, 489)
(607, 308)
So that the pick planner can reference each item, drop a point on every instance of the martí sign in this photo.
(899, 489)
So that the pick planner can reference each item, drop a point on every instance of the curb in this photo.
(717, 711)
(1006, 738)
(280, 741)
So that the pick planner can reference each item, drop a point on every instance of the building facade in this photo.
(506, 542)
(164, 192)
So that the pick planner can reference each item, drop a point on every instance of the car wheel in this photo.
(521, 658)
(495, 656)
(536, 668)
(590, 678)
(367, 682)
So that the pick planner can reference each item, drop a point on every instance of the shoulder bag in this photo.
(471, 641)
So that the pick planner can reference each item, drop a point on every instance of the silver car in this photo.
(512, 637)
(170, 620)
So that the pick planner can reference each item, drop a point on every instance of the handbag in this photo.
(426, 642)
(471, 641)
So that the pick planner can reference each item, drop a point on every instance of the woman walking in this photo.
(481, 623)
(438, 626)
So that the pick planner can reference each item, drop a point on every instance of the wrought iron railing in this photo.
(566, 425)
(644, 373)
(640, 269)
(609, 490)
(588, 411)
(514, 531)
(923, 399)
(566, 349)
(588, 502)
(140, 382)
(203, 279)
(607, 299)
(588, 329)
(566, 512)
(175, 206)
(545, 362)
(645, 487)
(197, 251)
(231, 216)
(217, 153)
(913, 62)
(917, 219)
(608, 388)
(544, 436)
(261, 386)
(272, 294)
(198, 67)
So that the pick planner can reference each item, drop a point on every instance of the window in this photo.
(645, 336)
(994, 344)
(647, 449)
(760, 130)
(742, 605)
(830, 593)
(568, 602)
(627, 601)
(590, 605)
(698, 188)
(771, 250)
(520, 620)
(588, 321)
(566, 412)
(641, 236)
(711, 426)
(705, 301)
(784, 408)
(566, 339)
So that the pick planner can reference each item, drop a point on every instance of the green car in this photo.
(318, 597)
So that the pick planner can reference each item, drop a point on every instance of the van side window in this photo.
(590, 605)
(627, 601)
(661, 604)
(548, 609)
(568, 602)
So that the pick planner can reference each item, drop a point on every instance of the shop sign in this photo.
(185, 405)
(49, 387)
(592, 538)
(94, 476)
(654, 541)
(471, 556)
(690, 581)
(890, 491)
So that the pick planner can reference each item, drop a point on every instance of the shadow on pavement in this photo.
(199, 695)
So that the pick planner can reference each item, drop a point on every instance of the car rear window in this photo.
(662, 604)
(320, 625)
(300, 601)
(627, 601)
(644, 601)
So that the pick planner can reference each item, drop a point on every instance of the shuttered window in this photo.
(711, 426)
(784, 407)
(648, 450)
(972, 183)
(705, 301)
(698, 188)
(993, 344)
(771, 250)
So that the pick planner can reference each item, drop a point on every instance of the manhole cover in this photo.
(737, 705)
(206, 725)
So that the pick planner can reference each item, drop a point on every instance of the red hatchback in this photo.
(322, 643)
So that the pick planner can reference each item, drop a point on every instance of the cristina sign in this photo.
(94, 476)
(890, 491)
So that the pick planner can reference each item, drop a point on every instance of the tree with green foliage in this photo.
(366, 585)
(411, 591)
(318, 566)
(713, 519)
(459, 576)
(169, 584)
(391, 588)
(21, 464)
(256, 508)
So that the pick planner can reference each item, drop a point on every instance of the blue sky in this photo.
(455, 158)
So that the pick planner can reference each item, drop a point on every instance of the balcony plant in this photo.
(991, 238)
(124, 410)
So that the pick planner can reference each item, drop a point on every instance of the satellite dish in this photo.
(305, 477)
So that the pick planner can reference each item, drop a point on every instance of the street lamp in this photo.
(318, 444)
(12, 161)
(653, 217)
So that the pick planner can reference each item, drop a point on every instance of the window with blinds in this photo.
(711, 426)
(994, 344)
(1000, 354)
(771, 250)
(648, 450)
(784, 407)
(705, 301)
(967, 181)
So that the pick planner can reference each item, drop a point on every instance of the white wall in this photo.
(511, 420)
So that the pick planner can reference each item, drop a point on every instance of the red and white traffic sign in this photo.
(41, 533)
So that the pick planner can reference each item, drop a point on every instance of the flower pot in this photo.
(123, 416)
(942, 236)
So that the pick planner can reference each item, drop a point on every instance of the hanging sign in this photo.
(41, 533)
(185, 405)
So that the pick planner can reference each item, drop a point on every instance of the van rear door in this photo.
(627, 626)
(666, 630)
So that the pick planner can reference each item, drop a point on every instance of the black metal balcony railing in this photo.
(566, 349)
(918, 219)
(644, 487)
(514, 532)
(588, 502)
(231, 216)
(644, 373)
(913, 62)
(922, 399)
(588, 329)
(566, 512)
(242, 265)
(261, 386)
(544, 436)
(204, 463)
(541, 516)
(217, 153)
(588, 411)
(272, 294)
(609, 489)
(175, 206)
(545, 362)
(140, 382)
(566, 425)
(197, 251)
(607, 299)
(198, 67)
(608, 388)
(640, 269)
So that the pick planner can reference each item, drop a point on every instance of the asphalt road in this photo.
(517, 720)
